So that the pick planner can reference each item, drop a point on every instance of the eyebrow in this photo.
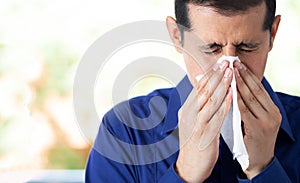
(246, 44)
(249, 45)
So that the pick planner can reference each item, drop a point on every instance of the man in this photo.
(271, 121)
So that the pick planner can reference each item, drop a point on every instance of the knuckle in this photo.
(243, 109)
(221, 113)
(213, 101)
(276, 126)
(248, 132)
(180, 112)
(251, 99)
(198, 86)
(205, 93)
(272, 127)
(258, 90)
(277, 121)
(277, 114)
(199, 117)
(203, 81)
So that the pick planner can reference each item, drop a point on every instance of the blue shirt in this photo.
(138, 142)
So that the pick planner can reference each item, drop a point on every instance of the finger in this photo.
(214, 102)
(206, 93)
(255, 86)
(192, 102)
(196, 101)
(187, 113)
(206, 77)
(246, 114)
(249, 99)
(199, 94)
(212, 129)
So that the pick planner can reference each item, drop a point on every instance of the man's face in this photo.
(213, 35)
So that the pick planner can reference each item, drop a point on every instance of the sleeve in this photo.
(104, 164)
(124, 154)
(102, 170)
(273, 173)
(170, 176)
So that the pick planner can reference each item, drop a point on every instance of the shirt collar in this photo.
(180, 93)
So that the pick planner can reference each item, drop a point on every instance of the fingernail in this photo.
(216, 66)
(241, 66)
(227, 73)
(223, 65)
(237, 73)
(199, 77)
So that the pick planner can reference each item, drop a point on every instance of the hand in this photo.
(261, 119)
(200, 120)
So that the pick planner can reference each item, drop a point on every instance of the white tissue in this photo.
(231, 129)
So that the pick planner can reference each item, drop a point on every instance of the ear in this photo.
(275, 29)
(174, 33)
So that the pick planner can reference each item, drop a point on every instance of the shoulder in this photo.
(138, 115)
(291, 105)
(142, 106)
(130, 126)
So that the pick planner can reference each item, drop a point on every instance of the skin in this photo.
(203, 113)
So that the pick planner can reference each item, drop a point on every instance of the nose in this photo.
(230, 50)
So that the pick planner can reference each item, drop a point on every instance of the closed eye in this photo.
(214, 51)
(247, 47)
(246, 50)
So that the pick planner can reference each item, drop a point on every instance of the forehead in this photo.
(207, 19)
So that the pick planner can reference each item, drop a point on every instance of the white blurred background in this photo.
(41, 43)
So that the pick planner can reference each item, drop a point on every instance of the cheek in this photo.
(192, 68)
(198, 63)
(256, 64)
(198, 66)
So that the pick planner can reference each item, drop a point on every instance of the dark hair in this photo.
(225, 7)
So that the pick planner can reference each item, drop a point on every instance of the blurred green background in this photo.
(41, 43)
